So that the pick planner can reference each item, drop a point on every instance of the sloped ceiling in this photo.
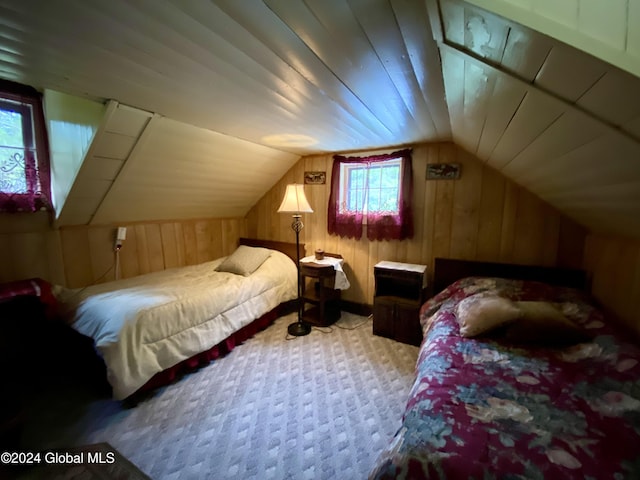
(145, 166)
(558, 121)
(608, 30)
(288, 78)
(341, 75)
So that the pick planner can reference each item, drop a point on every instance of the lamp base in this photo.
(299, 329)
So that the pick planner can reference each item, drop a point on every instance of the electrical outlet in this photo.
(121, 235)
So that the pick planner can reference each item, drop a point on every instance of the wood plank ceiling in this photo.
(556, 120)
(344, 75)
(608, 30)
(237, 90)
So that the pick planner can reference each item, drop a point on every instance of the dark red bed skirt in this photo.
(169, 375)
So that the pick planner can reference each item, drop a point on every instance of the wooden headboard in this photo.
(447, 270)
(287, 248)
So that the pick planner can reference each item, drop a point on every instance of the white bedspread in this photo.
(146, 324)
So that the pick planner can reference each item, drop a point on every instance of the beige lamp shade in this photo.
(294, 200)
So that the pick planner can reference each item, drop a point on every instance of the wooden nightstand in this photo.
(400, 291)
(320, 294)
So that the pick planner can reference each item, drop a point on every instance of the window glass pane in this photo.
(361, 195)
(351, 204)
(390, 176)
(356, 178)
(11, 129)
(374, 200)
(374, 177)
(12, 176)
(389, 199)
(355, 190)
(356, 200)
(378, 183)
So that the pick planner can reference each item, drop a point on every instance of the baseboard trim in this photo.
(356, 308)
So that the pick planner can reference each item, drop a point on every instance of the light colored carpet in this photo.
(316, 407)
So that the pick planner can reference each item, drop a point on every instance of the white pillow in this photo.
(244, 261)
(481, 313)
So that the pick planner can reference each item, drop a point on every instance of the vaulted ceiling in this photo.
(208, 103)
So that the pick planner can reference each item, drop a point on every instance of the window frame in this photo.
(379, 226)
(27, 101)
(346, 169)
(28, 139)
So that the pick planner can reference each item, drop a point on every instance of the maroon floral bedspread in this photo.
(482, 409)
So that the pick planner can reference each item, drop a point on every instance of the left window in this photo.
(24, 156)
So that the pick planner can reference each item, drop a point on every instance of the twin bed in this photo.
(149, 328)
(517, 379)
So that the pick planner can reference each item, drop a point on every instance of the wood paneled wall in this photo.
(29, 248)
(89, 258)
(481, 216)
(614, 266)
(82, 255)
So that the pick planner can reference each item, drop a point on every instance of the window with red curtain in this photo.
(24, 150)
(375, 191)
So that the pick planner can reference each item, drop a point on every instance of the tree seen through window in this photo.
(25, 179)
(372, 188)
(12, 166)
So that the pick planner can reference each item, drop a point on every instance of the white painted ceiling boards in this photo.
(228, 94)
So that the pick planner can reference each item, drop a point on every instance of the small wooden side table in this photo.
(323, 298)
(400, 291)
